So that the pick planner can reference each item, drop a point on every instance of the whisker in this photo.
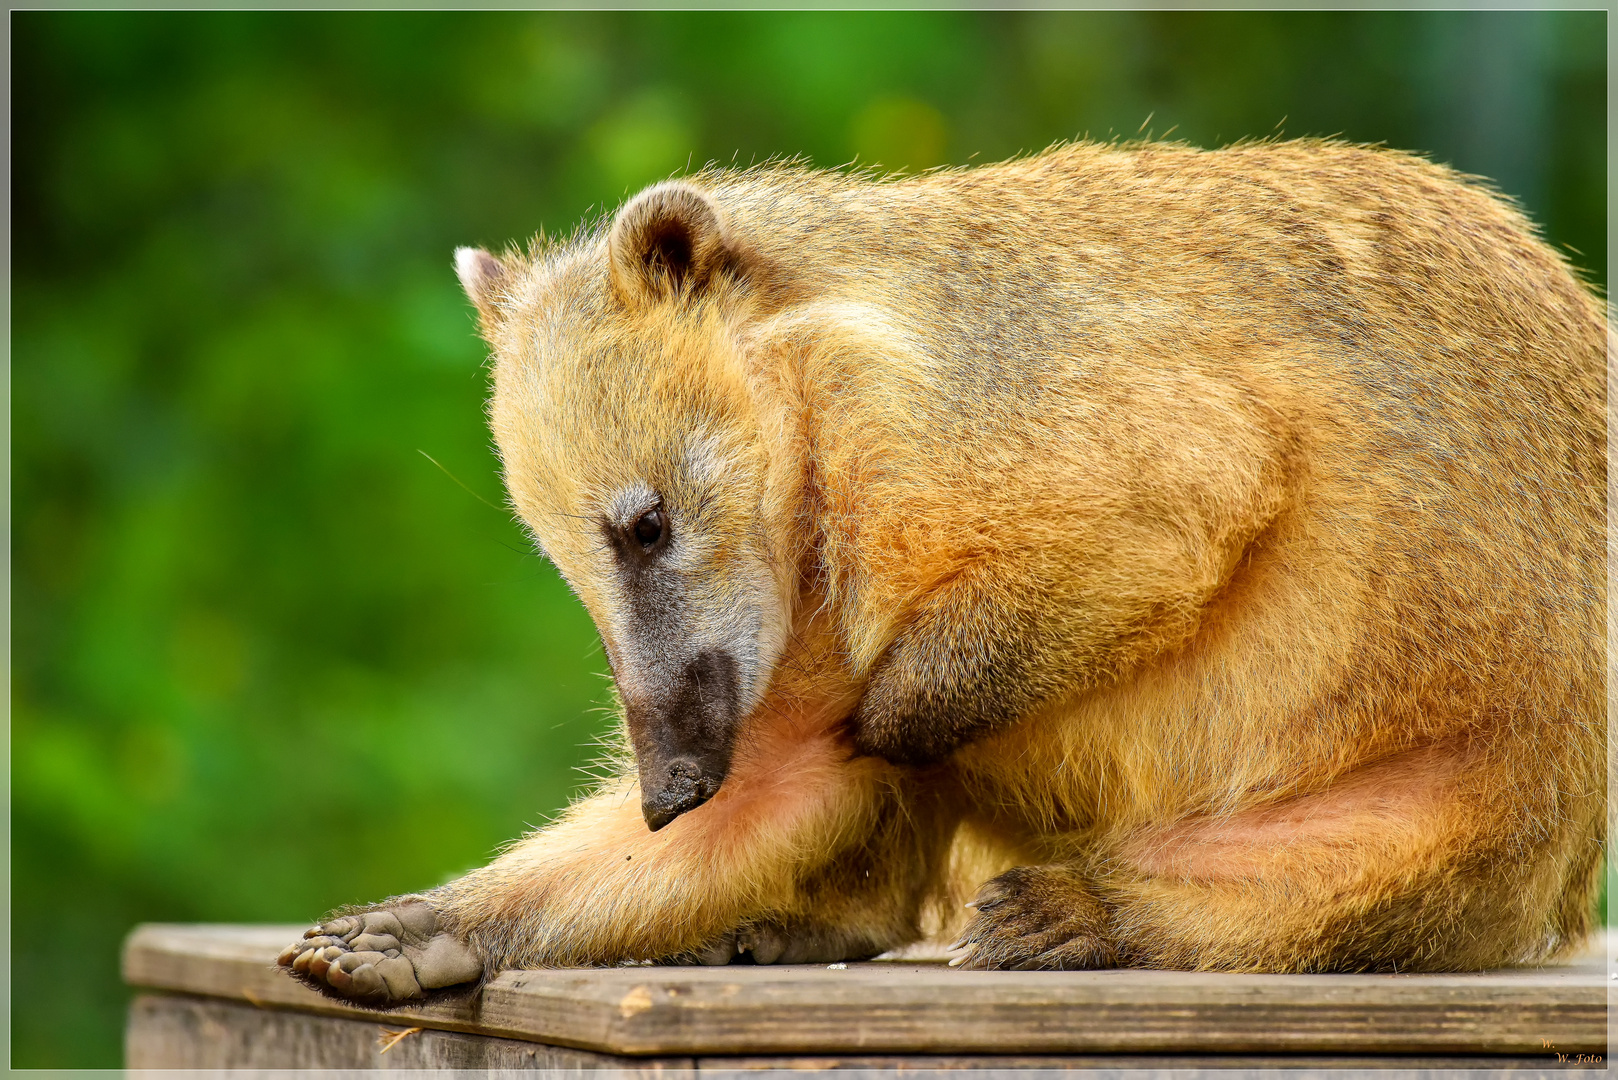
(457, 479)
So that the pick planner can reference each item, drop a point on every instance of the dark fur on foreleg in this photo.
(970, 661)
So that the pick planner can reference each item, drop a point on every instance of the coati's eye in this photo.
(649, 528)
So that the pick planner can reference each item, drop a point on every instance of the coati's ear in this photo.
(669, 239)
(485, 279)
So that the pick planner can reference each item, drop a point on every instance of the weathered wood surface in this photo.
(178, 1031)
(171, 1031)
(913, 1008)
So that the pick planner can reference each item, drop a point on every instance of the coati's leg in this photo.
(1042, 917)
(805, 854)
(1412, 863)
(1010, 634)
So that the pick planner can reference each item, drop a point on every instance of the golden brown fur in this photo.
(1215, 536)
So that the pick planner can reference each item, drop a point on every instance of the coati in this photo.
(1192, 559)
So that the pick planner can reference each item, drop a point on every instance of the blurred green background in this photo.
(267, 656)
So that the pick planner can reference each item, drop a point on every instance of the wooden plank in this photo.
(1128, 1067)
(174, 1031)
(910, 1007)
(169, 1031)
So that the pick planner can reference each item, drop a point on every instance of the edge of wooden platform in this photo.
(907, 1007)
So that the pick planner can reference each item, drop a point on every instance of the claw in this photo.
(991, 895)
(325, 960)
(961, 953)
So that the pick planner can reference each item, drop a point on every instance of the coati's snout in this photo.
(633, 449)
(683, 726)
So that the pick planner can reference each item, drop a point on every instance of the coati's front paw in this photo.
(382, 958)
(1040, 917)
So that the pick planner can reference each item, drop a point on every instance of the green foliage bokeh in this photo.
(274, 650)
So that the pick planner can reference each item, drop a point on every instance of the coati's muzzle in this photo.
(684, 728)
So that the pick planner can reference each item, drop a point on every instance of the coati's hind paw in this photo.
(382, 958)
(1037, 917)
(769, 943)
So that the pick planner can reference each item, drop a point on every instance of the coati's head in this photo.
(632, 450)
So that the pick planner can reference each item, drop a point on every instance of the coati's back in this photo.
(1383, 302)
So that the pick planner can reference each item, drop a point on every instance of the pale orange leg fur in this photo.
(1410, 863)
(806, 854)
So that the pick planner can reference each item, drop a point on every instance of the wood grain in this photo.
(913, 1008)
(174, 1031)
(179, 1031)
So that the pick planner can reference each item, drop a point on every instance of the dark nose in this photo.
(683, 737)
(685, 788)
